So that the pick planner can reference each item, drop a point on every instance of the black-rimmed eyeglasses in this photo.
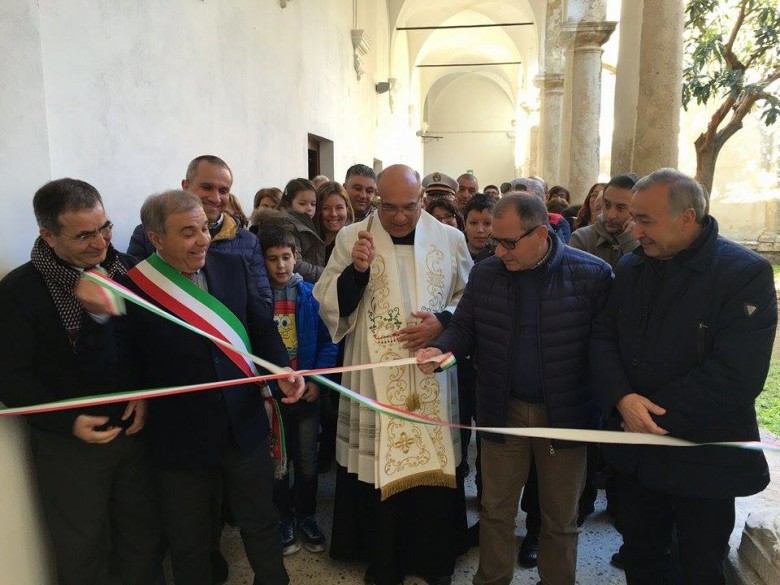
(508, 244)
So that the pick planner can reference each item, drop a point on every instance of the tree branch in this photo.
(738, 114)
(771, 78)
(728, 49)
(717, 118)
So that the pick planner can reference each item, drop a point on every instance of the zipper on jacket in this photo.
(701, 340)
(541, 360)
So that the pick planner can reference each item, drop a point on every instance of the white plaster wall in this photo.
(24, 165)
(24, 145)
(406, 146)
(741, 222)
(124, 94)
(473, 115)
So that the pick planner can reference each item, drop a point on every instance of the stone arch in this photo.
(426, 86)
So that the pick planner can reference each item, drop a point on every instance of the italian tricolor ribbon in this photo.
(591, 436)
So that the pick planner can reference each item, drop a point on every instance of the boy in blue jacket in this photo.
(308, 342)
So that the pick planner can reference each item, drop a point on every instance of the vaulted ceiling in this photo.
(460, 52)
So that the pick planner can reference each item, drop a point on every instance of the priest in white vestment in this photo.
(391, 284)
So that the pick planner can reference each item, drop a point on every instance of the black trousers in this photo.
(647, 520)
(418, 531)
(186, 496)
(101, 510)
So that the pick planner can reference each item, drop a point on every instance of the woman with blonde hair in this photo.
(334, 211)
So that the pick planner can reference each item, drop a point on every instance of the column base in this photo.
(757, 561)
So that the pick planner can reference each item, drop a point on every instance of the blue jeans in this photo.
(301, 427)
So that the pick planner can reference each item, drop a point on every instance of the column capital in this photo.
(549, 82)
(586, 35)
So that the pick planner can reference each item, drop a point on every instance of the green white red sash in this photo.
(176, 293)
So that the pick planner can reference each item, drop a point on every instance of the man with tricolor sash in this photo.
(392, 281)
(93, 468)
(198, 438)
(210, 178)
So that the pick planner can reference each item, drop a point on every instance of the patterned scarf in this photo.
(61, 280)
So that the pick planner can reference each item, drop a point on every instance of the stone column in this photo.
(550, 82)
(626, 87)
(550, 115)
(532, 156)
(660, 80)
(583, 56)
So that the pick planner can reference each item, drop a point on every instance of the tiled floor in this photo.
(598, 542)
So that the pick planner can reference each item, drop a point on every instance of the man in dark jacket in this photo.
(200, 438)
(210, 178)
(526, 318)
(92, 464)
(683, 348)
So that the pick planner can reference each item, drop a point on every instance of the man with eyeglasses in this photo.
(94, 475)
(390, 285)
(526, 318)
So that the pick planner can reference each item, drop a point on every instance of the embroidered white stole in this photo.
(408, 454)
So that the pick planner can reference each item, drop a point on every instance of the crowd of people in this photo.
(627, 312)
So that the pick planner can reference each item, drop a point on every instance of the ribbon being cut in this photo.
(445, 361)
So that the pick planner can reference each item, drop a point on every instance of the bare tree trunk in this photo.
(706, 157)
(709, 143)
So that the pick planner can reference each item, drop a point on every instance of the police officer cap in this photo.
(439, 182)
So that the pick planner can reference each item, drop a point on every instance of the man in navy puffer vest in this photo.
(526, 318)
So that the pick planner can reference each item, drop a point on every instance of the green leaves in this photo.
(732, 50)
(732, 57)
